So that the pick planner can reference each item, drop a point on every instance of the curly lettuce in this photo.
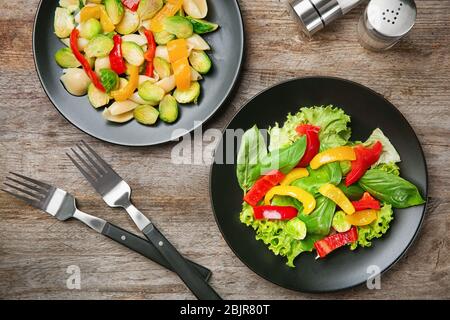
(376, 229)
(390, 167)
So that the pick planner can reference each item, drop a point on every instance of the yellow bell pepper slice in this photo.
(337, 196)
(294, 175)
(307, 199)
(178, 49)
(362, 218)
(333, 155)
(182, 73)
(97, 12)
(127, 91)
(169, 10)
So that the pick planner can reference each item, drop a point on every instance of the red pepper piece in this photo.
(131, 4)
(274, 212)
(150, 54)
(366, 202)
(330, 243)
(87, 68)
(312, 143)
(115, 57)
(262, 186)
(365, 158)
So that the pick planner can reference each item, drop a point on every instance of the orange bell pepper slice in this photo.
(127, 91)
(362, 218)
(178, 49)
(169, 10)
(337, 196)
(332, 155)
(182, 72)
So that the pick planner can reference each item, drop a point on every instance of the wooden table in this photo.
(35, 249)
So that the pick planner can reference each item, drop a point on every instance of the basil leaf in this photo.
(319, 221)
(252, 150)
(329, 173)
(390, 188)
(284, 159)
(353, 192)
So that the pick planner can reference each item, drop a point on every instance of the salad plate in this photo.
(296, 259)
(218, 29)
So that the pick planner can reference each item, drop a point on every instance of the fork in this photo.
(62, 206)
(117, 193)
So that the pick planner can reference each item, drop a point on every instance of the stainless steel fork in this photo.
(116, 193)
(62, 206)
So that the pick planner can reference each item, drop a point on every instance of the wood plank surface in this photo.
(35, 249)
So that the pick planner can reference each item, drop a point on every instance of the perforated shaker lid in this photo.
(391, 18)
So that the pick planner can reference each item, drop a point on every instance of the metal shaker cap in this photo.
(314, 15)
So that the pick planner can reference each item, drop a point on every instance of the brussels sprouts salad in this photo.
(314, 189)
(139, 59)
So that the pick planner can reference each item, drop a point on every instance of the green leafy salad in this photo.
(314, 189)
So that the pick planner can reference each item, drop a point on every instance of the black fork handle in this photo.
(147, 249)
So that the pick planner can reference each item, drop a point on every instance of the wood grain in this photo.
(35, 249)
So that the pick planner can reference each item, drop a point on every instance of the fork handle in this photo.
(146, 248)
(190, 276)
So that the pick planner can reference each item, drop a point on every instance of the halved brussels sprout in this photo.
(76, 81)
(148, 8)
(200, 61)
(110, 79)
(63, 23)
(121, 107)
(133, 53)
(65, 58)
(163, 37)
(145, 114)
(195, 42)
(137, 98)
(151, 92)
(202, 26)
(296, 228)
(195, 76)
(161, 51)
(162, 67)
(339, 223)
(136, 38)
(90, 28)
(188, 96)
(99, 46)
(196, 8)
(179, 26)
(129, 24)
(168, 109)
(115, 10)
(121, 118)
(71, 5)
(143, 78)
(96, 97)
(167, 84)
(102, 63)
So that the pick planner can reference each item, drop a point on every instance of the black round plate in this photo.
(227, 54)
(343, 268)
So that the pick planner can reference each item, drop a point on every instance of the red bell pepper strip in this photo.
(115, 57)
(150, 54)
(87, 68)
(131, 4)
(330, 243)
(312, 143)
(365, 158)
(366, 202)
(274, 212)
(262, 186)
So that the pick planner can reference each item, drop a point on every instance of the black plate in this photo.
(343, 268)
(227, 54)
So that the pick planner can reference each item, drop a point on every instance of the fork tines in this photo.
(29, 190)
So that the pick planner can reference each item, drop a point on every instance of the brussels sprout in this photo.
(148, 8)
(121, 118)
(339, 222)
(200, 61)
(129, 24)
(146, 114)
(167, 84)
(163, 37)
(90, 28)
(109, 79)
(115, 10)
(150, 92)
(195, 76)
(71, 5)
(196, 8)
(99, 46)
(137, 98)
(133, 53)
(102, 63)
(75, 81)
(143, 78)
(168, 109)
(179, 26)
(65, 58)
(162, 67)
(196, 42)
(96, 97)
(63, 23)
(189, 95)
(161, 51)
(136, 38)
(296, 228)
(202, 26)
(120, 107)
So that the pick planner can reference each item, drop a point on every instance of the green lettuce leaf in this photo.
(376, 229)
(389, 154)
(390, 167)
(319, 221)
